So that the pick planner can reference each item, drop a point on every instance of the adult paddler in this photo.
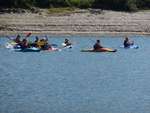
(97, 46)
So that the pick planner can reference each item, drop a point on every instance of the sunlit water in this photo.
(70, 81)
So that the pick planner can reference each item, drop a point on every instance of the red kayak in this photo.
(99, 50)
(52, 49)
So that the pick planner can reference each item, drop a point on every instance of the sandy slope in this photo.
(108, 22)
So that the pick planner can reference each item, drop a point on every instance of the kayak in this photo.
(31, 49)
(13, 45)
(67, 47)
(10, 45)
(100, 50)
(130, 47)
(64, 46)
(53, 49)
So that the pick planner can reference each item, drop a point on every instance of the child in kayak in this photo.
(67, 43)
(97, 45)
(127, 42)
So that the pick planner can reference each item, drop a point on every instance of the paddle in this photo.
(12, 38)
(28, 34)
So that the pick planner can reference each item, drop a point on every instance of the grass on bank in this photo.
(61, 10)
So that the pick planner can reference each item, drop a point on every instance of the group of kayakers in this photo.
(38, 43)
(44, 45)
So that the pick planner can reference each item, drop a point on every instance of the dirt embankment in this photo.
(80, 22)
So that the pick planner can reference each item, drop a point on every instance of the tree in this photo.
(131, 5)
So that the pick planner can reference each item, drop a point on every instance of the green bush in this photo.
(131, 5)
(73, 3)
(86, 3)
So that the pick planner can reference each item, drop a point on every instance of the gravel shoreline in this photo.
(82, 22)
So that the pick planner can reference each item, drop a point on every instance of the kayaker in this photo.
(67, 43)
(35, 43)
(36, 39)
(43, 44)
(127, 42)
(97, 45)
(24, 44)
(46, 46)
(17, 39)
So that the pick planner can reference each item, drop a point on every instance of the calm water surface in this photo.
(74, 82)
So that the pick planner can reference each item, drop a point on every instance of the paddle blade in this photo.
(28, 34)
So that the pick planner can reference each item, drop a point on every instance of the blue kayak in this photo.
(130, 47)
(31, 49)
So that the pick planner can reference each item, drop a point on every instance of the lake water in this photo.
(70, 81)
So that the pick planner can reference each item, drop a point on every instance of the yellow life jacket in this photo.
(41, 43)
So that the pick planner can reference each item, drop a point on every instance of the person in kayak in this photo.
(97, 45)
(24, 44)
(67, 43)
(43, 44)
(35, 43)
(17, 39)
(127, 42)
(46, 45)
(36, 39)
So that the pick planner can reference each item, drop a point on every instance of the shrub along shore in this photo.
(122, 5)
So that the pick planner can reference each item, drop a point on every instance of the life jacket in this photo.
(40, 43)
